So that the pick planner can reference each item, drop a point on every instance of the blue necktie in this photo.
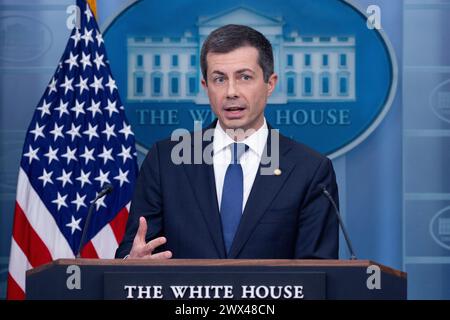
(232, 195)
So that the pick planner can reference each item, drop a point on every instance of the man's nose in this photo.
(232, 90)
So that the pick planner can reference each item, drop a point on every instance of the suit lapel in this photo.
(264, 190)
(201, 178)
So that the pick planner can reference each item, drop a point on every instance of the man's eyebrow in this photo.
(236, 72)
(245, 70)
(218, 72)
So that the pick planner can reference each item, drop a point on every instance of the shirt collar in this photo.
(256, 142)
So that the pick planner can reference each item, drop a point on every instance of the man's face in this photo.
(236, 88)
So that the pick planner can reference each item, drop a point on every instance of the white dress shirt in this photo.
(249, 161)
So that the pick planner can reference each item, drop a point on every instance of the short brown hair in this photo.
(231, 37)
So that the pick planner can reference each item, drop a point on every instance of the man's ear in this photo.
(271, 84)
(204, 84)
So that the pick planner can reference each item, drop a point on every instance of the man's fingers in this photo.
(160, 255)
(142, 231)
(142, 250)
(155, 243)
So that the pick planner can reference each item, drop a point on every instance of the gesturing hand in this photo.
(144, 250)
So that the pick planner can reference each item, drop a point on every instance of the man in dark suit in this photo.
(259, 196)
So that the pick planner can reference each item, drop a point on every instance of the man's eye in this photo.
(219, 80)
(246, 77)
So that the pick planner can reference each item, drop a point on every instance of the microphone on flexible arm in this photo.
(341, 224)
(106, 190)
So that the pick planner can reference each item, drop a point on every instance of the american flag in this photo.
(78, 142)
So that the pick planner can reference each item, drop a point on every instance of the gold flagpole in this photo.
(93, 5)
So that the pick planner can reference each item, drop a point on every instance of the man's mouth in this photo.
(234, 108)
(234, 112)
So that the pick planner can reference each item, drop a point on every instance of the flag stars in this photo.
(83, 85)
(111, 107)
(74, 132)
(38, 131)
(62, 108)
(91, 132)
(52, 86)
(76, 37)
(78, 108)
(87, 36)
(67, 85)
(72, 61)
(99, 60)
(109, 131)
(99, 38)
(88, 14)
(46, 177)
(94, 108)
(111, 84)
(70, 154)
(84, 178)
(100, 202)
(79, 201)
(45, 108)
(126, 131)
(60, 201)
(31, 154)
(65, 178)
(122, 177)
(51, 154)
(57, 132)
(106, 155)
(74, 225)
(85, 60)
(88, 155)
(97, 84)
(125, 154)
(102, 177)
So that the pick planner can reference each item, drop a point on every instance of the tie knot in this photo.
(237, 150)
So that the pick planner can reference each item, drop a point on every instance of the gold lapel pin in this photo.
(277, 172)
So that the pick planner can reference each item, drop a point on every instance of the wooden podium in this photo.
(180, 279)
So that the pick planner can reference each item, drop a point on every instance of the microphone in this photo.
(106, 190)
(341, 224)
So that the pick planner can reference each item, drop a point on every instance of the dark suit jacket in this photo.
(285, 217)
